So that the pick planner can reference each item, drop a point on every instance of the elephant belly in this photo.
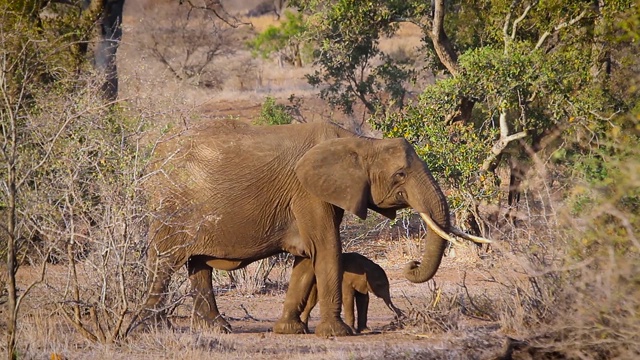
(228, 265)
(232, 247)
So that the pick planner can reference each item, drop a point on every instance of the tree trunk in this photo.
(110, 23)
(448, 57)
(520, 165)
(600, 53)
(11, 253)
(517, 172)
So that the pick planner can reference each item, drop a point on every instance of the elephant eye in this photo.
(400, 175)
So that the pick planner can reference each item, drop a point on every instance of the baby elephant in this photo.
(360, 276)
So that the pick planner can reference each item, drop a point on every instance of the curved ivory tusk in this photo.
(477, 239)
(438, 230)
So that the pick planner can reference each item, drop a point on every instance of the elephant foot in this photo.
(364, 330)
(289, 326)
(149, 321)
(218, 325)
(333, 327)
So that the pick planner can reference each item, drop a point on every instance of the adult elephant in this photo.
(228, 193)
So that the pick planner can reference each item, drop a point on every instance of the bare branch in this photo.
(507, 20)
(504, 126)
(502, 142)
(559, 27)
(78, 326)
(216, 7)
(441, 42)
(122, 287)
(96, 323)
(43, 268)
(522, 17)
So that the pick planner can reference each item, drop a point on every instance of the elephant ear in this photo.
(333, 171)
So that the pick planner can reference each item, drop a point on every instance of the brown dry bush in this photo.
(187, 40)
(573, 289)
(262, 275)
(82, 162)
(88, 209)
(556, 283)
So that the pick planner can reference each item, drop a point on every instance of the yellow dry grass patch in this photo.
(261, 23)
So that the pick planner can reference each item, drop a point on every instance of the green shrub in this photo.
(284, 40)
(273, 113)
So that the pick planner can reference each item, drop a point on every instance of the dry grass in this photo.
(261, 23)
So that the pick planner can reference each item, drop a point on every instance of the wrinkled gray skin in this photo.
(226, 194)
(360, 277)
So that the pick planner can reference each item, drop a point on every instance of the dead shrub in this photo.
(255, 278)
(190, 43)
(573, 289)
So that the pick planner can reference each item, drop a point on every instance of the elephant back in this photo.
(374, 274)
(219, 168)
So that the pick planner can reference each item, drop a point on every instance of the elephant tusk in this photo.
(476, 239)
(438, 230)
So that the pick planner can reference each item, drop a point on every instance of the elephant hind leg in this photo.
(205, 309)
(159, 271)
(311, 303)
(362, 304)
(301, 285)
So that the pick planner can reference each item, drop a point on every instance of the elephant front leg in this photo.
(318, 226)
(297, 299)
(205, 309)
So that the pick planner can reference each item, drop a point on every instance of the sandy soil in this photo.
(452, 335)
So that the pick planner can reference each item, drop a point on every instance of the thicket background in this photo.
(527, 112)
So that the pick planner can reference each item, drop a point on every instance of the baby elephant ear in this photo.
(333, 171)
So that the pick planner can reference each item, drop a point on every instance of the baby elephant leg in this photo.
(311, 303)
(362, 303)
(348, 294)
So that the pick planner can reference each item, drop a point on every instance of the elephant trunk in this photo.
(432, 206)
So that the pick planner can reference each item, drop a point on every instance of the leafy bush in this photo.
(454, 153)
(284, 40)
(273, 113)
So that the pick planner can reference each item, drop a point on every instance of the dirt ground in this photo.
(451, 334)
(254, 335)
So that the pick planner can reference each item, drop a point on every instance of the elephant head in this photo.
(385, 175)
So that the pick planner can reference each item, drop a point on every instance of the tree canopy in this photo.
(513, 78)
